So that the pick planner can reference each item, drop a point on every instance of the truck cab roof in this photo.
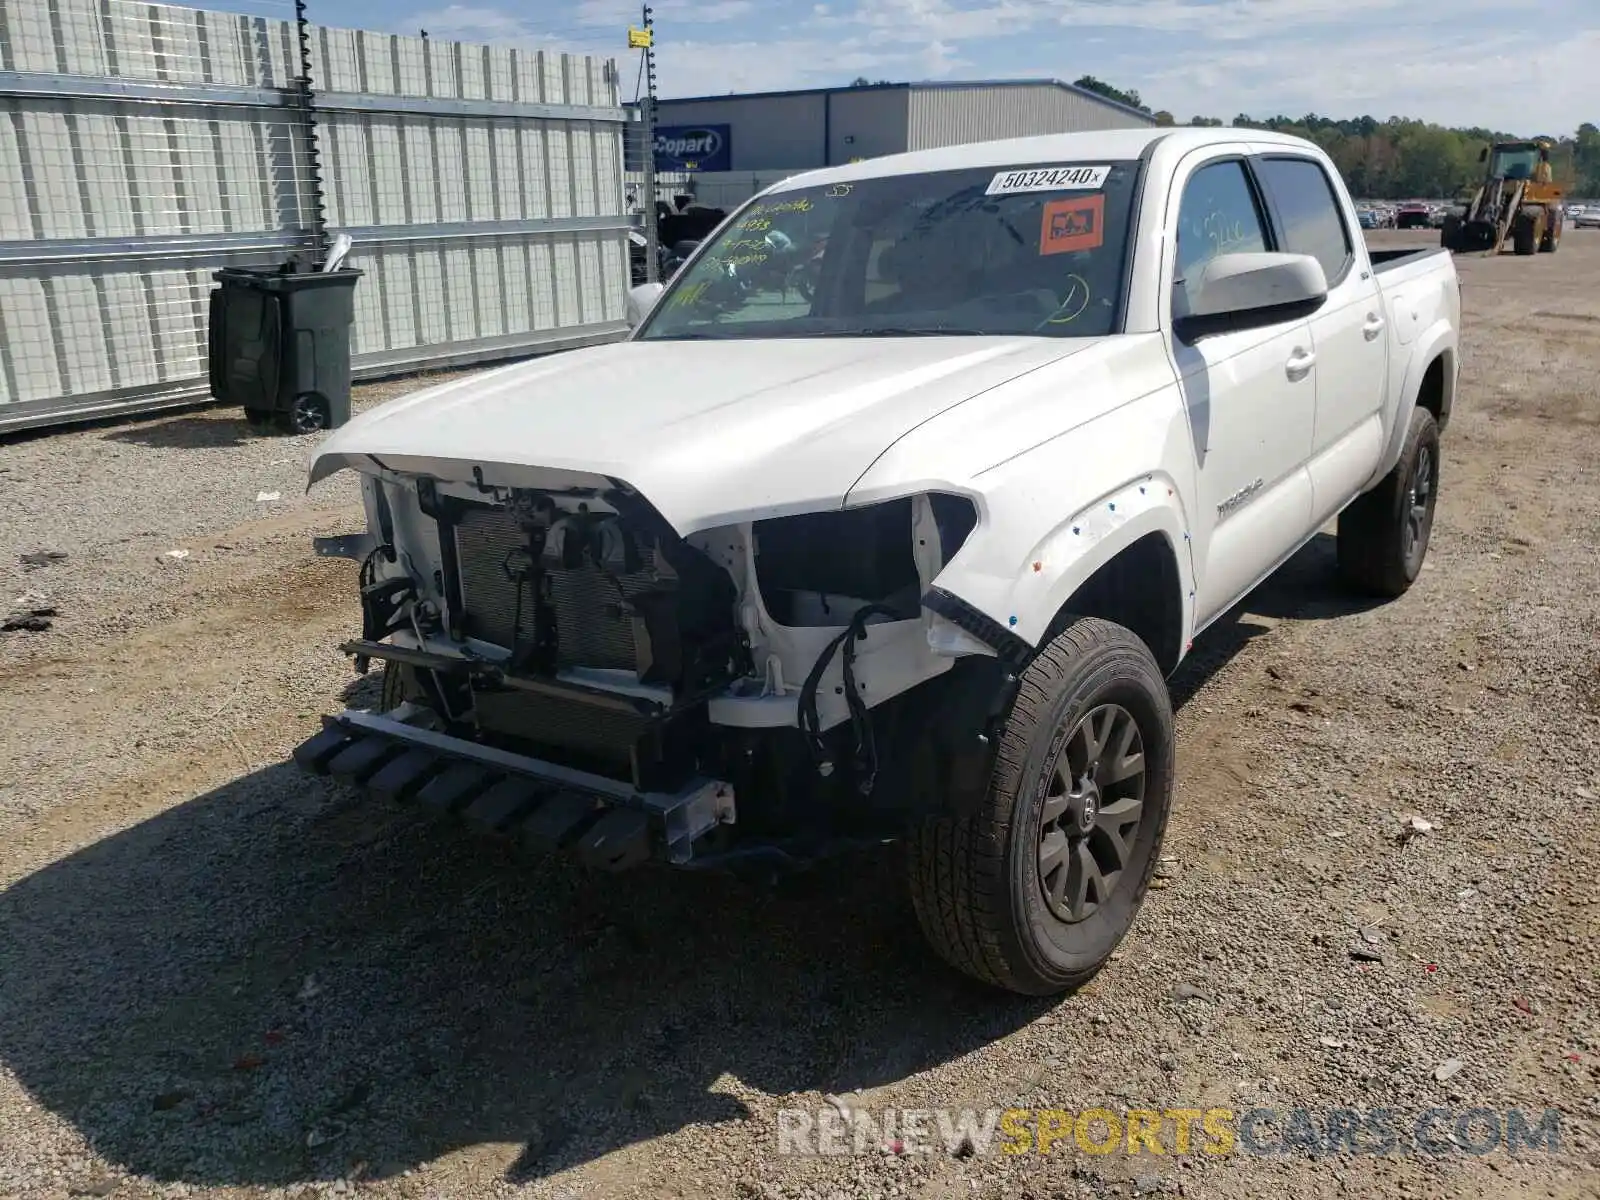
(1109, 144)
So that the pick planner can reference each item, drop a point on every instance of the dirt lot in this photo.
(220, 978)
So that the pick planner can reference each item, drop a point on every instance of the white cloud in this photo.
(1211, 57)
(1385, 75)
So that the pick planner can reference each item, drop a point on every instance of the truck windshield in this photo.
(1519, 162)
(1030, 249)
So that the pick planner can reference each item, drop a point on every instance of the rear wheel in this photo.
(1035, 890)
(1384, 533)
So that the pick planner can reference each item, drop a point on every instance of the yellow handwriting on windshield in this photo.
(689, 295)
(779, 206)
(1073, 301)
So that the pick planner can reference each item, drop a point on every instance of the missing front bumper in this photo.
(603, 822)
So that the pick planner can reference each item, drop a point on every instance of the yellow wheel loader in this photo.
(1518, 201)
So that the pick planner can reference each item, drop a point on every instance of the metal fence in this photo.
(143, 145)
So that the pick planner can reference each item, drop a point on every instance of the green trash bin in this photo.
(279, 345)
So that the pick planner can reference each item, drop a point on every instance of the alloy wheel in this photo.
(1090, 817)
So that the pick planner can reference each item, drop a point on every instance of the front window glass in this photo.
(1217, 215)
(1032, 249)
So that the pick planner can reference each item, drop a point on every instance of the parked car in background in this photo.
(1413, 216)
(1587, 218)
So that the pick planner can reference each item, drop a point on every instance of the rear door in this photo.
(1347, 332)
(1249, 393)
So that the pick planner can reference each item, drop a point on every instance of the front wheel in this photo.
(1383, 534)
(1525, 234)
(1034, 891)
(399, 686)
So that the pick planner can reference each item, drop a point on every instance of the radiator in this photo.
(591, 629)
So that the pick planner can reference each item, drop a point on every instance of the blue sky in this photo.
(1524, 65)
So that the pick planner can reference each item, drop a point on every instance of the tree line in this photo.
(1400, 158)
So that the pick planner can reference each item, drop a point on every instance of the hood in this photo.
(709, 432)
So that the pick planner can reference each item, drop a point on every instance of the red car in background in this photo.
(1413, 216)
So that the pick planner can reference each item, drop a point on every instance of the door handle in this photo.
(1300, 364)
(1373, 327)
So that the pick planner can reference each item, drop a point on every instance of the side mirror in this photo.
(641, 300)
(1245, 291)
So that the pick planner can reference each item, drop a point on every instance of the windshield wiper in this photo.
(904, 331)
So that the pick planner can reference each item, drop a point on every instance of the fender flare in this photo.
(1438, 342)
(1074, 549)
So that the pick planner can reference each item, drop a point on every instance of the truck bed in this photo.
(1386, 260)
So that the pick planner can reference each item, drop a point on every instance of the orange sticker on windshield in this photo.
(1074, 224)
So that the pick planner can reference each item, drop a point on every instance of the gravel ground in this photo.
(220, 978)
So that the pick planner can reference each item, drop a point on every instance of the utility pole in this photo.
(651, 231)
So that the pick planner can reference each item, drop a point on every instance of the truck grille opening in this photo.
(613, 590)
(591, 628)
(579, 735)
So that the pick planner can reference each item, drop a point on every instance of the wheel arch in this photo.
(1101, 557)
(1436, 390)
(1430, 383)
(1140, 587)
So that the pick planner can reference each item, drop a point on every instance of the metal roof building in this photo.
(794, 131)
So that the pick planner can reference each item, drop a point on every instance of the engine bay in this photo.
(575, 625)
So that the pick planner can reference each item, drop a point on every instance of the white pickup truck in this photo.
(892, 517)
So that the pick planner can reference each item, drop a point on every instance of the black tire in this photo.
(399, 685)
(1524, 234)
(1450, 234)
(978, 883)
(1383, 534)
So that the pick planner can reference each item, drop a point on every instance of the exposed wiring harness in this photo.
(385, 609)
(369, 569)
(865, 757)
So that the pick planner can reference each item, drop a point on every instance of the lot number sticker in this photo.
(1075, 224)
(1048, 179)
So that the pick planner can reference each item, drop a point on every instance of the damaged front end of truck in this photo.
(562, 667)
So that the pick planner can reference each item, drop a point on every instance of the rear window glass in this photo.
(1309, 209)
